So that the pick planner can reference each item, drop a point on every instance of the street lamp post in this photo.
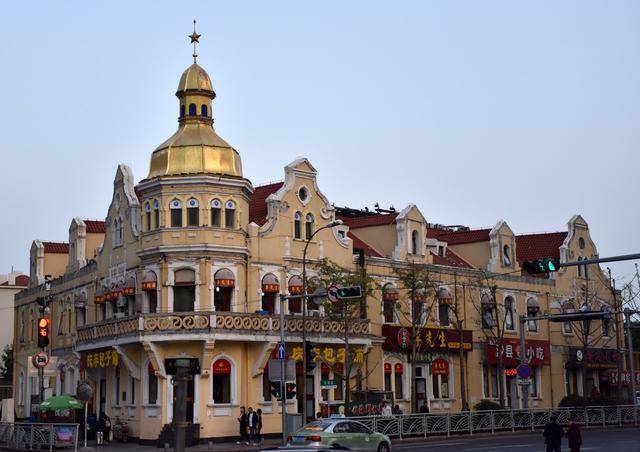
(304, 315)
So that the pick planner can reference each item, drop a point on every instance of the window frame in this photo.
(193, 212)
(230, 214)
(510, 313)
(175, 207)
(297, 226)
(309, 223)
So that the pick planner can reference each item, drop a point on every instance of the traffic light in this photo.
(291, 390)
(540, 266)
(276, 390)
(310, 357)
(349, 292)
(43, 332)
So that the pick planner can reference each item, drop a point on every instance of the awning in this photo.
(150, 281)
(295, 285)
(129, 286)
(390, 293)
(224, 278)
(184, 277)
(270, 283)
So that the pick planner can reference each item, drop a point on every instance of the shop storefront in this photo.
(598, 364)
(436, 351)
(538, 355)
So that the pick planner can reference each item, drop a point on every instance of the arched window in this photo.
(581, 243)
(414, 242)
(193, 217)
(444, 305)
(295, 288)
(308, 226)
(221, 381)
(152, 385)
(488, 306)
(184, 290)
(297, 226)
(182, 111)
(176, 213)
(506, 256)
(270, 289)
(229, 215)
(390, 296)
(193, 110)
(509, 314)
(216, 213)
(147, 214)
(150, 292)
(225, 283)
(156, 214)
(204, 111)
(532, 306)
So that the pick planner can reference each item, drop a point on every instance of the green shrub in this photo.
(487, 405)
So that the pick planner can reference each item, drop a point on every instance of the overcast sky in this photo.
(474, 111)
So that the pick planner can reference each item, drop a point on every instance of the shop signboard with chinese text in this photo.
(625, 380)
(105, 358)
(398, 339)
(538, 352)
(595, 358)
(329, 355)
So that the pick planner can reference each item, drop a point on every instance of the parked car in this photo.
(341, 432)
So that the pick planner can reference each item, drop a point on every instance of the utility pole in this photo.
(632, 370)
(616, 309)
(283, 378)
(523, 360)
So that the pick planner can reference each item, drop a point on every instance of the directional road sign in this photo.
(524, 370)
(280, 351)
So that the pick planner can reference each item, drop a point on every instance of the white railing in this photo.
(29, 436)
(471, 422)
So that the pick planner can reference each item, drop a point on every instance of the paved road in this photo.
(609, 440)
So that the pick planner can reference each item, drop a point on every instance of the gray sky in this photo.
(475, 111)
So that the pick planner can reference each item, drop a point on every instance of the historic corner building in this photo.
(192, 262)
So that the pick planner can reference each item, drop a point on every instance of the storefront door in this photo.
(102, 401)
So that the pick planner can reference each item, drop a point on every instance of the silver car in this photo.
(333, 432)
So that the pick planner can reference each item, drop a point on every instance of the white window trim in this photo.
(450, 381)
(173, 267)
(212, 287)
(232, 387)
(514, 313)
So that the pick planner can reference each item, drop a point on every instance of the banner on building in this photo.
(625, 380)
(595, 358)
(398, 339)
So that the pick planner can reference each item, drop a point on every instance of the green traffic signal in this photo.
(540, 266)
(349, 292)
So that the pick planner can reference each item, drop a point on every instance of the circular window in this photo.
(303, 194)
(581, 243)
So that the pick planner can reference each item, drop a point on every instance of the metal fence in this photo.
(471, 422)
(27, 436)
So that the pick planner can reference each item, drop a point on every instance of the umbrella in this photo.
(61, 403)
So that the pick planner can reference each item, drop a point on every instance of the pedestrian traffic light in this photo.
(349, 292)
(43, 332)
(540, 266)
(310, 357)
(291, 390)
(276, 390)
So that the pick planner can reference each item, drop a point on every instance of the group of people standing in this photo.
(250, 426)
(553, 433)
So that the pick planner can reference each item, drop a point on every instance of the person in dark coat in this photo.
(424, 408)
(244, 423)
(553, 434)
(573, 435)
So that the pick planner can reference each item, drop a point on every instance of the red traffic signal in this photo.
(291, 390)
(44, 327)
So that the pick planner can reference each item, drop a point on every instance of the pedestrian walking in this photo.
(386, 409)
(242, 419)
(573, 435)
(259, 426)
(252, 422)
(397, 410)
(553, 434)
(424, 409)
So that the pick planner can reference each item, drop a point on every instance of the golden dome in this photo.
(195, 148)
(195, 78)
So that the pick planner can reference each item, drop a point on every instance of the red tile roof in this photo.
(94, 226)
(461, 237)
(22, 280)
(56, 247)
(368, 220)
(537, 246)
(450, 259)
(359, 244)
(258, 202)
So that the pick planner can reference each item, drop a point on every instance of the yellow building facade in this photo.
(193, 260)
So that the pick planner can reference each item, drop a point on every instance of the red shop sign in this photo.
(440, 367)
(221, 367)
(387, 368)
(398, 368)
(537, 352)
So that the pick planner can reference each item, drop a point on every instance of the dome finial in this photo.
(195, 39)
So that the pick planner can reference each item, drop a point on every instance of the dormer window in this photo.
(176, 213)
(216, 213)
(297, 226)
(193, 110)
(204, 111)
(414, 242)
(506, 256)
(308, 226)
(441, 250)
(193, 217)
(581, 243)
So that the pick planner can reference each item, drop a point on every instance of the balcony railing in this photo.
(209, 322)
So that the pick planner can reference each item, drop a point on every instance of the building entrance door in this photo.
(102, 400)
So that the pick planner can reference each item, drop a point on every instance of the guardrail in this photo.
(27, 436)
(471, 422)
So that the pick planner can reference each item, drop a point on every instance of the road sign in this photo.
(523, 370)
(524, 381)
(328, 384)
(275, 370)
(332, 294)
(281, 351)
(40, 359)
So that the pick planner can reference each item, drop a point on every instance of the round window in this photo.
(303, 194)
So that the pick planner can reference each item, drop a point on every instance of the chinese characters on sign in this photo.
(329, 355)
(102, 359)
(537, 352)
(625, 380)
(427, 340)
(596, 358)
